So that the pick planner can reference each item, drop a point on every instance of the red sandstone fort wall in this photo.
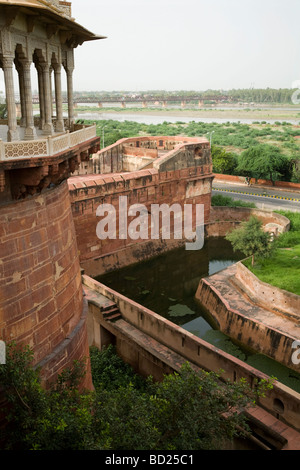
(41, 301)
(186, 186)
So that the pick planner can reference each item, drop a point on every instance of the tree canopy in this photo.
(223, 162)
(185, 411)
(262, 161)
(251, 239)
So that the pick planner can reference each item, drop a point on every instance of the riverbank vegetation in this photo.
(185, 411)
(230, 143)
(249, 95)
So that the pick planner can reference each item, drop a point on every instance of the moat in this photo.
(166, 284)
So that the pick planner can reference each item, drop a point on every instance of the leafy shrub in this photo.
(219, 200)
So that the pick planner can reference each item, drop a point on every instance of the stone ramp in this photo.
(231, 290)
(272, 432)
(264, 330)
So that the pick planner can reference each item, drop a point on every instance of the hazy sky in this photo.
(188, 44)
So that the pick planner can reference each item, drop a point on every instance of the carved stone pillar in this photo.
(22, 94)
(48, 127)
(12, 133)
(30, 133)
(69, 72)
(58, 99)
(51, 91)
(41, 95)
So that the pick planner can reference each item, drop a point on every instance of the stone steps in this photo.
(108, 308)
(112, 314)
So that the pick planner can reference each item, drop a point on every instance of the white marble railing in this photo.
(45, 147)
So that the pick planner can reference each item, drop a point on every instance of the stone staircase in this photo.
(111, 312)
(108, 308)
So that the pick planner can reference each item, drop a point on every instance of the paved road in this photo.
(264, 198)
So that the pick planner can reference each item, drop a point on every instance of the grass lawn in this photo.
(281, 270)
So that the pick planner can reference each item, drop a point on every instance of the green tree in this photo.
(251, 239)
(263, 161)
(187, 410)
(295, 169)
(3, 111)
(59, 418)
(223, 162)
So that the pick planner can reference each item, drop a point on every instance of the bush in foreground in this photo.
(188, 410)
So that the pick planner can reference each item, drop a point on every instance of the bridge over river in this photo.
(141, 99)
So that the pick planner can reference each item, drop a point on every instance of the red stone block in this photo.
(7, 248)
(40, 275)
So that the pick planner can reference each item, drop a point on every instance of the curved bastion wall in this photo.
(224, 219)
(41, 299)
(180, 173)
(256, 314)
(267, 295)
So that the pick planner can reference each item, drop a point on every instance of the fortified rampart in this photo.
(48, 226)
(180, 176)
(156, 346)
(223, 219)
(262, 317)
(41, 300)
(136, 153)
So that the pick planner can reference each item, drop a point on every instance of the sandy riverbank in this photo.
(279, 114)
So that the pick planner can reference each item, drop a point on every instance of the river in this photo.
(175, 114)
(157, 119)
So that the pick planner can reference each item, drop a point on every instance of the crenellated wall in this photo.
(147, 187)
(179, 171)
(162, 152)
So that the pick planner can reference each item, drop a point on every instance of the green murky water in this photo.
(167, 284)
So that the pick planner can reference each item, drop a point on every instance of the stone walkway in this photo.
(229, 288)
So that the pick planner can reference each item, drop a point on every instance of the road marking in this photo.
(255, 194)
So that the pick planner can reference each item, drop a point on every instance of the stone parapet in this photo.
(224, 218)
(147, 187)
(45, 147)
(268, 296)
(265, 330)
(161, 152)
